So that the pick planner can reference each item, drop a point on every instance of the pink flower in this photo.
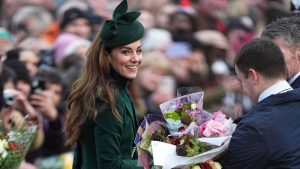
(218, 116)
(214, 129)
(202, 129)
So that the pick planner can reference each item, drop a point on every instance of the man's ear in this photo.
(253, 76)
(298, 54)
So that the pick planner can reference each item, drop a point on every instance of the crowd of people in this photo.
(185, 43)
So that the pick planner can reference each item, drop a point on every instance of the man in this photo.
(285, 32)
(268, 136)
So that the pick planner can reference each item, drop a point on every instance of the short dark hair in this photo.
(287, 28)
(263, 56)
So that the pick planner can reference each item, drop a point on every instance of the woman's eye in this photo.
(126, 52)
(139, 52)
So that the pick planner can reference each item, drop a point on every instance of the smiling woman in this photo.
(126, 59)
(101, 111)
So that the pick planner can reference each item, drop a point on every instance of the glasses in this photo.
(3, 57)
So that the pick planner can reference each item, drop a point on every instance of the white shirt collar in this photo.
(294, 78)
(279, 87)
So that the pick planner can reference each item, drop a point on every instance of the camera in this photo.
(9, 96)
(38, 84)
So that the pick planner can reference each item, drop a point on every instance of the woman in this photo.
(102, 117)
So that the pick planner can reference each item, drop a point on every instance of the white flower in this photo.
(3, 147)
(228, 123)
(218, 165)
(193, 106)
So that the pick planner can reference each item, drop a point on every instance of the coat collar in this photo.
(296, 83)
(273, 100)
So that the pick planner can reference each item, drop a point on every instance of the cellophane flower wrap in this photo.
(196, 136)
(153, 127)
(15, 141)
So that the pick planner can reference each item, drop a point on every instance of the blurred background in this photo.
(187, 43)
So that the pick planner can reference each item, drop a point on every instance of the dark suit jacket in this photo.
(107, 143)
(268, 137)
(296, 83)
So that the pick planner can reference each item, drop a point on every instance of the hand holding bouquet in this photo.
(15, 141)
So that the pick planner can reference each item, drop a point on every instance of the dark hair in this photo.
(263, 56)
(72, 14)
(14, 54)
(191, 20)
(287, 28)
(8, 74)
(20, 70)
(51, 75)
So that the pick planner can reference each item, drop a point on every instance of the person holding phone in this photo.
(46, 98)
(102, 116)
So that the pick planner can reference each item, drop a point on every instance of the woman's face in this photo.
(126, 59)
(149, 77)
(31, 60)
(56, 91)
(79, 27)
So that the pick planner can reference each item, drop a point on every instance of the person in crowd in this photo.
(101, 112)
(150, 79)
(30, 20)
(26, 56)
(47, 100)
(68, 43)
(16, 78)
(258, 141)
(285, 32)
(6, 41)
(77, 22)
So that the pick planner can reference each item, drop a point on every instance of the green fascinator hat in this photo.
(123, 28)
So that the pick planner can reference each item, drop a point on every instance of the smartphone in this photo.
(47, 57)
(38, 84)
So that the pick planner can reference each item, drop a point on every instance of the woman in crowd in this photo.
(102, 117)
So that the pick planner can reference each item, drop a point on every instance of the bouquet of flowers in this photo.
(191, 137)
(15, 141)
(184, 111)
(152, 128)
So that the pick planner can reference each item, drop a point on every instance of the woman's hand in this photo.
(22, 104)
(43, 103)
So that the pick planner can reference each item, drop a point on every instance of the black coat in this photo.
(268, 137)
(296, 83)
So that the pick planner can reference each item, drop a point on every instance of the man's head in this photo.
(259, 64)
(285, 32)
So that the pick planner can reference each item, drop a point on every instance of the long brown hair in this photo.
(93, 82)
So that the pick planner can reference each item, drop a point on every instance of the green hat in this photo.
(123, 28)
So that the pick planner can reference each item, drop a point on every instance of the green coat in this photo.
(108, 143)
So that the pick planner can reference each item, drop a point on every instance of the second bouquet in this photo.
(184, 136)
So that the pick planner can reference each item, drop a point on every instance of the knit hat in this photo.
(72, 14)
(123, 28)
